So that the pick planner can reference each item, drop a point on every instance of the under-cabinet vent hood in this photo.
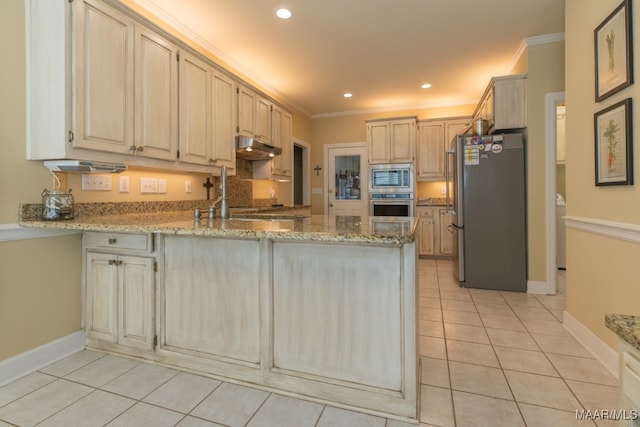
(253, 149)
(84, 166)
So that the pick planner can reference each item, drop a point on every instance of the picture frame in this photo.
(614, 52)
(614, 144)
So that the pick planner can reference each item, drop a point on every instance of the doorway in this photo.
(346, 179)
(301, 161)
(555, 102)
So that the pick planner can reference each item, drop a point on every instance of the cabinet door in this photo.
(212, 298)
(104, 49)
(453, 128)
(223, 121)
(156, 96)
(426, 228)
(101, 308)
(510, 103)
(431, 142)
(403, 136)
(446, 237)
(246, 112)
(263, 119)
(282, 138)
(378, 141)
(194, 110)
(135, 302)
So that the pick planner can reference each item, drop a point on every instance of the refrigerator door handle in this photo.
(447, 181)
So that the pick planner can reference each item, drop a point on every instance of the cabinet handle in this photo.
(132, 148)
(211, 161)
(112, 241)
(140, 148)
(112, 262)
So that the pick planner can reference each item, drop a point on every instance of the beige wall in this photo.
(602, 272)
(40, 278)
(546, 74)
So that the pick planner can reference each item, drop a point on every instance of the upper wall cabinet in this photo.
(391, 140)
(435, 137)
(207, 119)
(103, 84)
(117, 89)
(254, 115)
(282, 137)
(504, 103)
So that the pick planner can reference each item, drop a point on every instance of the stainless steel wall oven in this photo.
(391, 189)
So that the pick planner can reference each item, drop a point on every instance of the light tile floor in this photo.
(491, 358)
(487, 358)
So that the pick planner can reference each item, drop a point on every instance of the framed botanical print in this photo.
(614, 144)
(614, 52)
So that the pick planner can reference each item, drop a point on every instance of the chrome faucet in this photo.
(224, 206)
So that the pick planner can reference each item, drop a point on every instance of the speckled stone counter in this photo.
(626, 327)
(382, 230)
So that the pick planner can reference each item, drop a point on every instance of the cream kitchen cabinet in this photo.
(127, 85)
(207, 106)
(391, 140)
(116, 96)
(435, 237)
(445, 236)
(119, 290)
(254, 115)
(282, 165)
(504, 103)
(435, 137)
(426, 225)
(212, 299)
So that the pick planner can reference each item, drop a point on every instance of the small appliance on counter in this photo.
(57, 205)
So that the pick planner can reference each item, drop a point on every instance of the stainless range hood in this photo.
(84, 166)
(253, 149)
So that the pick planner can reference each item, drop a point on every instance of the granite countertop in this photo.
(278, 226)
(626, 327)
(431, 201)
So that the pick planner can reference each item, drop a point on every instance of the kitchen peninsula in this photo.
(322, 307)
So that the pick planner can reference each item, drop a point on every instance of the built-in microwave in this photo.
(391, 178)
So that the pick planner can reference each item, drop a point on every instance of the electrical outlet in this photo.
(443, 189)
(162, 186)
(148, 185)
(187, 186)
(94, 182)
(123, 184)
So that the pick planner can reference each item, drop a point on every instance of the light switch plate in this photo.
(162, 186)
(148, 185)
(123, 184)
(95, 182)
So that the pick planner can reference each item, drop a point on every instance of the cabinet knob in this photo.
(112, 241)
(140, 148)
(132, 148)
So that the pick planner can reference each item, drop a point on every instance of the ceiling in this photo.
(380, 50)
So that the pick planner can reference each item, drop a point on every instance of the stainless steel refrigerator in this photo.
(489, 212)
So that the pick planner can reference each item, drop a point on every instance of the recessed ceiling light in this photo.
(426, 86)
(283, 13)
(347, 95)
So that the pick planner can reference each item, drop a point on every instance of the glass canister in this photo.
(57, 204)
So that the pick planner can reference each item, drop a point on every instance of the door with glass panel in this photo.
(347, 181)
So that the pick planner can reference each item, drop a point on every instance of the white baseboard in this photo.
(537, 287)
(34, 359)
(600, 350)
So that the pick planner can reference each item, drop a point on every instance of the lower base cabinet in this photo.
(435, 237)
(335, 322)
(119, 296)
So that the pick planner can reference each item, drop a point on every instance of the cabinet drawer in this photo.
(136, 242)
(425, 212)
